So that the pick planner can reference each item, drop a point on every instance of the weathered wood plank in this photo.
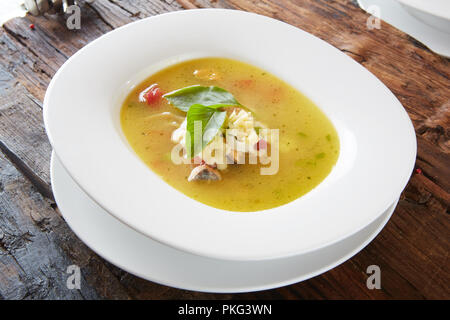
(113, 15)
(31, 266)
(33, 56)
(143, 8)
(33, 73)
(36, 247)
(412, 250)
(22, 130)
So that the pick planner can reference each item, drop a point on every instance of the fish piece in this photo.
(204, 172)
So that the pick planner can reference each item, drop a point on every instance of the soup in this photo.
(223, 95)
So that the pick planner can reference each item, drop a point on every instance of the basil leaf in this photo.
(207, 119)
(207, 96)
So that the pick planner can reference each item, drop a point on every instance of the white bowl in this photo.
(81, 114)
(435, 13)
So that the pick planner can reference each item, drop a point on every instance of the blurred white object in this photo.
(436, 13)
(39, 7)
(10, 9)
(395, 13)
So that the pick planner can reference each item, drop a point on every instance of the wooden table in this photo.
(36, 245)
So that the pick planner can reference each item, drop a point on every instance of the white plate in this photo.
(156, 262)
(378, 145)
(395, 14)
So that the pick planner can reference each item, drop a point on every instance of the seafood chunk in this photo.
(204, 172)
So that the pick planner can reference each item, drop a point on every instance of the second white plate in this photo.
(151, 260)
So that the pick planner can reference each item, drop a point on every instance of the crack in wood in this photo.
(19, 39)
(13, 242)
(41, 186)
(132, 14)
(360, 58)
(100, 16)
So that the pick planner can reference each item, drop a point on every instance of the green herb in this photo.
(320, 155)
(184, 98)
(277, 193)
(208, 119)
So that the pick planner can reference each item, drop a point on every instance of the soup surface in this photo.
(308, 142)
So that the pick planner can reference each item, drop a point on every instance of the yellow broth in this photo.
(309, 144)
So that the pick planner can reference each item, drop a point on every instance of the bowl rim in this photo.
(195, 246)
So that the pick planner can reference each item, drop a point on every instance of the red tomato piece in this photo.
(244, 83)
(198, 160)
(151, 95)
(261, 144)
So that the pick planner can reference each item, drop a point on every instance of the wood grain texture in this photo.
(36, 246)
